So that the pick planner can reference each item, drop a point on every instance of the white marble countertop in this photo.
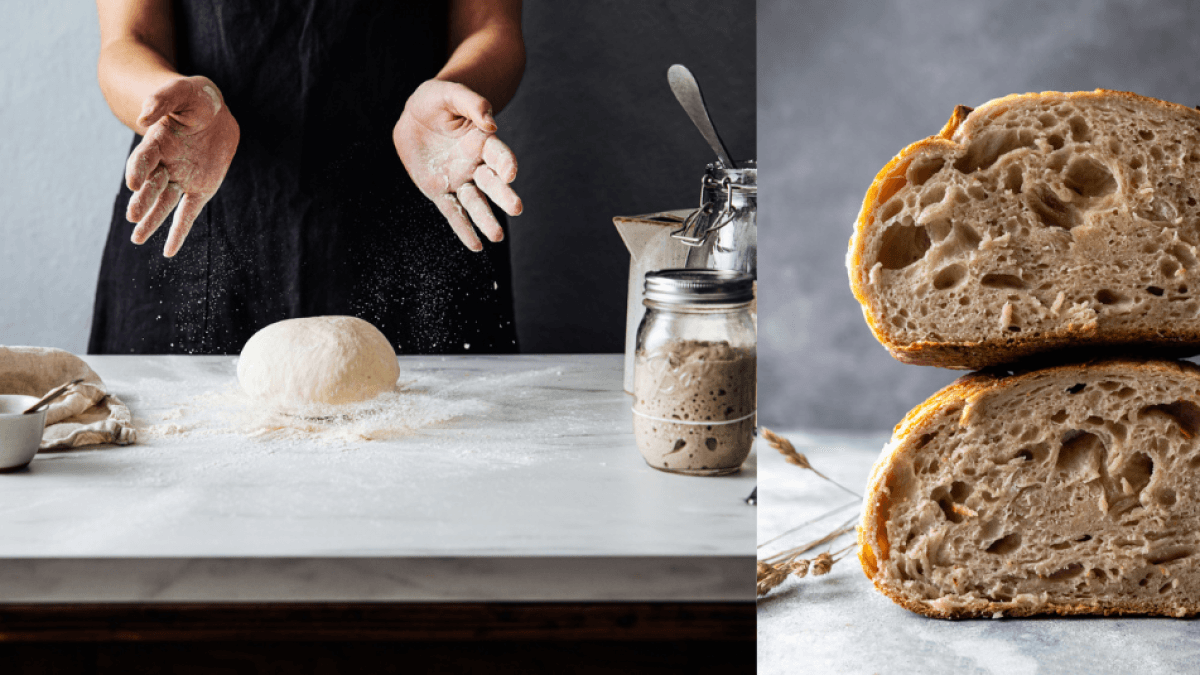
(533, 490)
(838, 623)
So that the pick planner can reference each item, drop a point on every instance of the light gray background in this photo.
(843, 86)
(595, 128)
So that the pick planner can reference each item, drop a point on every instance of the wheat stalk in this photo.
(790, 454)
(771, 575)
(774, 570)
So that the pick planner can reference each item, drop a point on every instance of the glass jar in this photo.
(695, 372)
(723, 233)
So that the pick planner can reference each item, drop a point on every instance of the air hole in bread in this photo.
(1184, 255)
(1169, 555)
(1184, 414)
(1056, 141)
(1013, 178)
(1080, 132)
(1080, 453)
(1135, 163)
(1099, 574)
(1009, 281)
(1069, 572)
(1118, 430)
(959, 491)
(1165, 497)
(1076, 388)
(890, 210)
(1156, 153)
(949, 277)
(919, 172)
(1034, 453)
(933, 195)
(938, 229)
(984, 150)
(1089, 178)
(902, 245)
(1146, 134)
(1051, 210)
(1154, 290)
(1047, 120)
(1059, 417)
(1135, 474)
(949, 510)
(1005, 545)
(1107, 296)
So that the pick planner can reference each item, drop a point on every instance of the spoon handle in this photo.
(688, 92)
(50, 397)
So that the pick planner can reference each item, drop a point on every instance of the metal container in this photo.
(723, 233)
(695, 372)
(20, 435)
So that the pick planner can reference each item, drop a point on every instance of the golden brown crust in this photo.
(974, 355)
(908, 438)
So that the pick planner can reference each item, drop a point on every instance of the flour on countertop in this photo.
(419, 401)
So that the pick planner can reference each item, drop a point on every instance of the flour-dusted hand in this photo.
(189, 143)
(446, 139)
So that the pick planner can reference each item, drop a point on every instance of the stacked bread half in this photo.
(1050, 239)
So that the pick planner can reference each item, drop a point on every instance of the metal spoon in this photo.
(688, 92)
(49, 397)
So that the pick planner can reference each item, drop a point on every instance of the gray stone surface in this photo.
(843, 86)
(838, 623)
(538, 493)
(594, 126)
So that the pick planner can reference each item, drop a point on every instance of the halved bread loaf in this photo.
(1068, 490)
(1035, 222)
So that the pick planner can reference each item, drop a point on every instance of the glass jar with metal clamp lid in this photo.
(695, 372)
(723, 232)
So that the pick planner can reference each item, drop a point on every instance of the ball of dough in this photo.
(322, 360)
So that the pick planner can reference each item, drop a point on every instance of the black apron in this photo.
(317, 214)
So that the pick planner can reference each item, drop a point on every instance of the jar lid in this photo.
(699, 287)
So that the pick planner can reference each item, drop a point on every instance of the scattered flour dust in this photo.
(227, 410)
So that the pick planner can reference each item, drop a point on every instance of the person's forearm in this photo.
(490, 61)
(129, 72)
(137, 52)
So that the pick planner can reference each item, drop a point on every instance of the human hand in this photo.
(189, 143)
(446, 140)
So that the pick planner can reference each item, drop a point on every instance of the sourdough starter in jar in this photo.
(695, 372)
(689, 383)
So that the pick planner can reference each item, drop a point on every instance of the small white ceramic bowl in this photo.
(20, 434)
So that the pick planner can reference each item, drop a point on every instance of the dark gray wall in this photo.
(595, 127)
(598, 133)
(843, 86)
